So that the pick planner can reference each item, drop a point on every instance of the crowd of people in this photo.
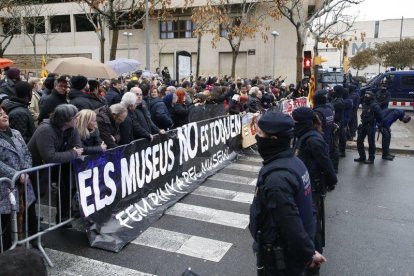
(61, 118)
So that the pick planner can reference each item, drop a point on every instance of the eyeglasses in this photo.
(139, 94)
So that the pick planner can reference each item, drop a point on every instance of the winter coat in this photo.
(92, 145)
(179, 114)
(254, 104)
(7, 89)
(107, 127)
(50, 144)
(113, 96)
(48, 104)
(34, 107)
(143, 126)
(83, 100)
(20, 117)
(13, 159)
(125, 129)
(160, 114)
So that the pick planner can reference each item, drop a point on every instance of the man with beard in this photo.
(281, 216)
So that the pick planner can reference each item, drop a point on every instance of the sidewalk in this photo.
(402, 138)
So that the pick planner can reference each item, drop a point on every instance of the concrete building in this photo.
(66, 34)
(375, 32)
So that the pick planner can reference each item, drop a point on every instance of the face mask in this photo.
(268, 147)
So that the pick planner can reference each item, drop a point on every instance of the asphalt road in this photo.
(370, 228)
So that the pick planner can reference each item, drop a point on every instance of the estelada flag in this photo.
(43, 73)
(311, 89)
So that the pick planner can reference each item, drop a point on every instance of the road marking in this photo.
(244, 167)
(69, 264)
(226, 218)
(224, 194)
(231, 178)
(252, 158)
(179, 243)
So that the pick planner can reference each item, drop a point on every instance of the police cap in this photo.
(274, 123)
(302, 114)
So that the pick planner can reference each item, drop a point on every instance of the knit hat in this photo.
(13, 73)
(78, 82)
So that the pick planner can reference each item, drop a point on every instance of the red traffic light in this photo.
(307, 62)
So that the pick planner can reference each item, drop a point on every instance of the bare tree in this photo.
(97, 21)
(302, 19)
(34, 21)
(333, 23)
(114, 12)
(234, 23)
(10, 24)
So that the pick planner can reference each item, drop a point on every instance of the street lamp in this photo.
(128, 35)
(147, 42)
(274, 34)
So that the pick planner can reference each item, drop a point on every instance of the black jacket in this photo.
(7, 89)
(179, 114)
(83, 100)
(108, 129)
(20, 117)
(92, 145)
(160, 114)
(125, 129)
(50, 144)
(47, 104)
(314, 152)
(254, 104)
(113, 96)
(143, 126)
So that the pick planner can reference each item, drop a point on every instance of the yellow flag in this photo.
(43, 73)
(311, 89)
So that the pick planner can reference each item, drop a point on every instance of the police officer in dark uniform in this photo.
(353, 118)
(371, 114)
(338, 103)
(281, 216)
(325, 113)
(390, 116)
(312, 149)
(383, 96)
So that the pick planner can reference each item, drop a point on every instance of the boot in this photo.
(360, 160)
(369, 161)
(388, 157)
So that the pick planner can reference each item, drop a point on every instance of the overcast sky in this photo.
(384, 9)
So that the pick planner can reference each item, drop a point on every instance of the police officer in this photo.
(348, 105)
(325, 113)
(281, 215)
(312, 149)
(353, 118)
(390, 116)
(382, 95)
(371, 114)
(338, 103)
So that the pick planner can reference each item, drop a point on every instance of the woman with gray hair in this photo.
(109, 119)
(56, 140)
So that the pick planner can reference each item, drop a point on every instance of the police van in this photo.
(400, 84)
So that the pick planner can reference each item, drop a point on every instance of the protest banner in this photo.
(124, 190)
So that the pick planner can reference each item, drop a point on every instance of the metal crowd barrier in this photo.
(46, 180)
(10, 197)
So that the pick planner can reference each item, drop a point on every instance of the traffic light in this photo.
(307, 63)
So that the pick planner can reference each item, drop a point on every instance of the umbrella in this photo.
(123, 65)
(4, 62)
(80, 66)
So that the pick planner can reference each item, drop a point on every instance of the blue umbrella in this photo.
(123, 65)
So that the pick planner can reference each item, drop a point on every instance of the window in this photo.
(11, 26)
(127, 19)
(311, 10)
(224, 31)
(83, 24)
(60, 24)
(376, 29)
(35, 24)
(407, 82)
(176, 29)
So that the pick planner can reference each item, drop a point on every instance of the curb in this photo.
(392, 150)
